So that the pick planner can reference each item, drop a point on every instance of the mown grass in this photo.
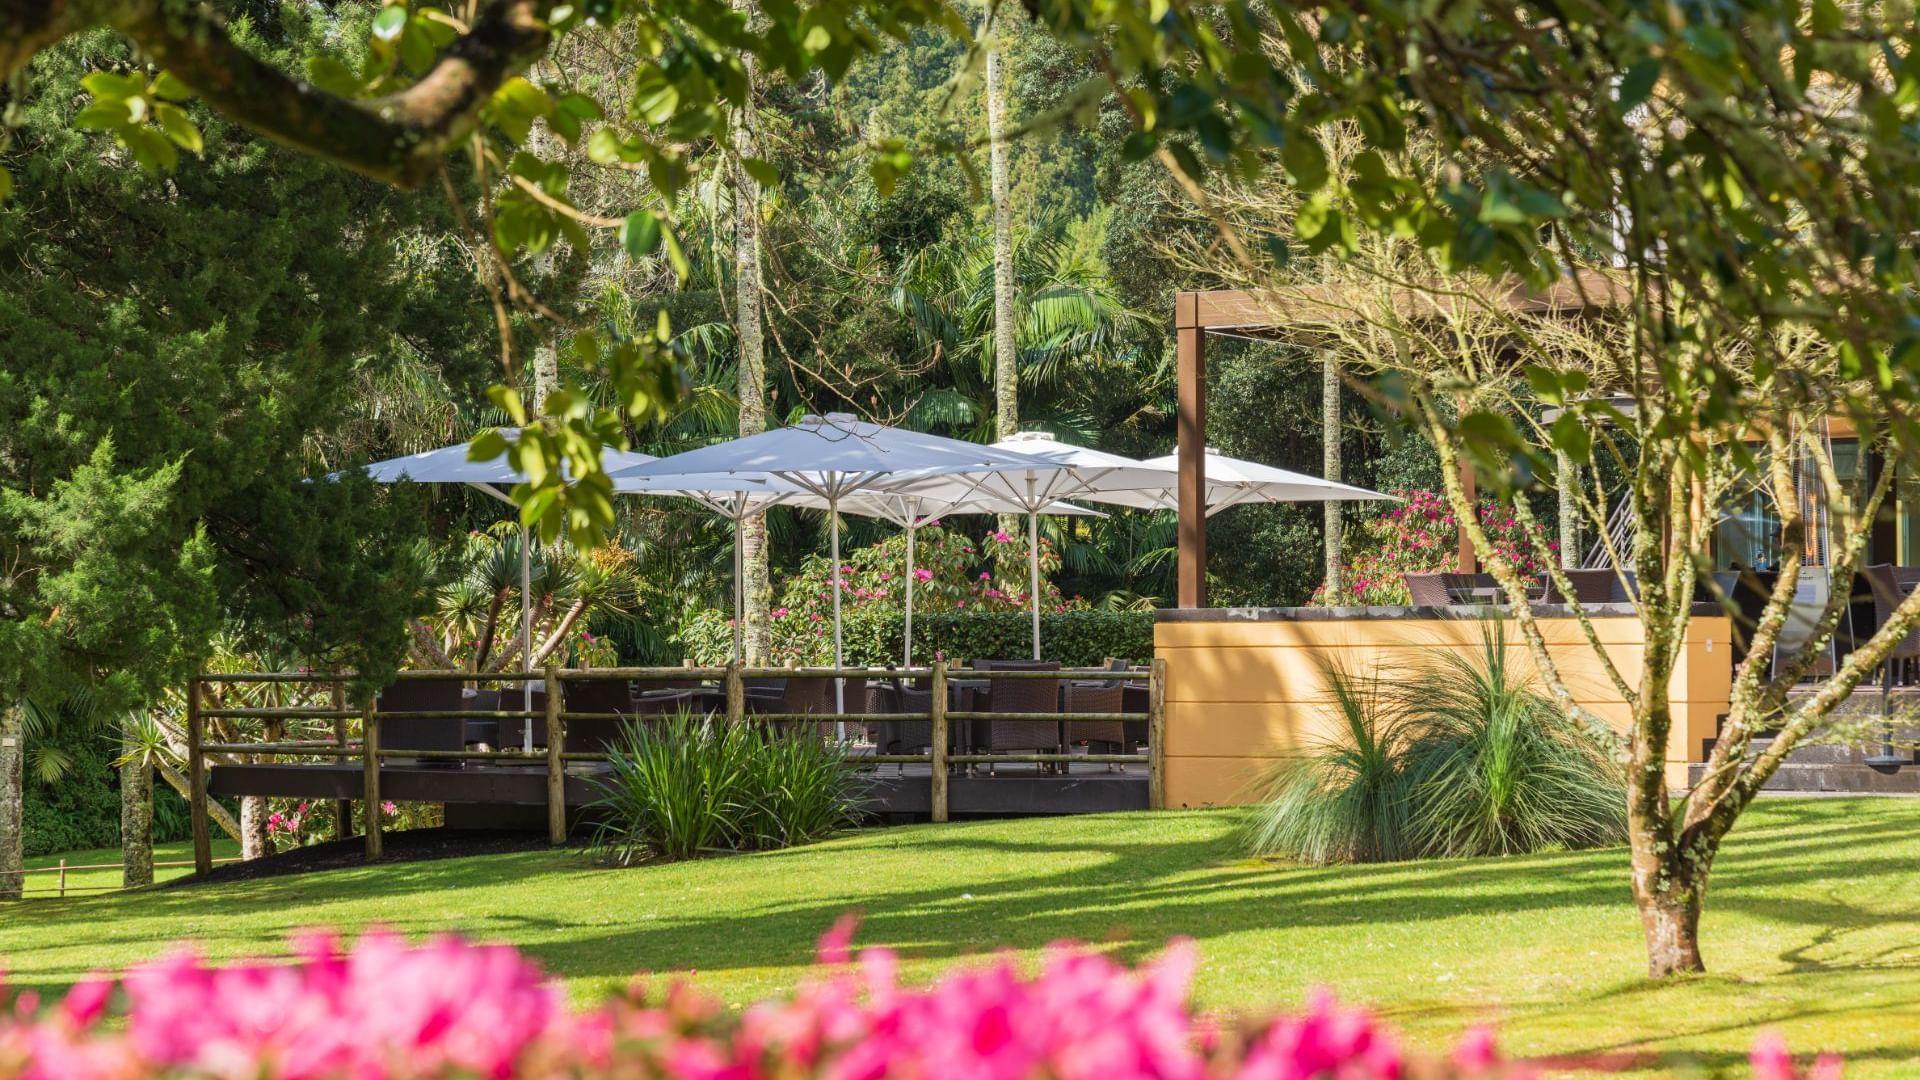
(43, 871)
(1813, 927)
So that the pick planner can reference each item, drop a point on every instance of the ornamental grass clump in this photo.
(449, 1010)
(1461, 756)
(681, 785)
(1345, 801)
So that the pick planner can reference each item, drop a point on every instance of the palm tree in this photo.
(1074, 336)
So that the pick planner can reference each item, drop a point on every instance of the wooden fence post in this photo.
(63, 879)
(370, 776)
(342, 808)
(197, 782)
(556, 765)
(1157, 734)
(736, 694)
(937, 708)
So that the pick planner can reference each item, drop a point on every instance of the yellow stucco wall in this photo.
(1244, 692)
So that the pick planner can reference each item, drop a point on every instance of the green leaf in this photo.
(153, 151)
(1305, 161)
(178, 126)
(762, 171)
(486, 446)
(640, 234)
(334, 76)
(1545, 383)
(681, 268)
(107, 86)
(390, 23)
(1636, 84)
(1570, 436)
(103, 116)
(168, 87)
(508, 400)
(6, 185)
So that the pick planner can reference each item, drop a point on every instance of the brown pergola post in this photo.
(1191, 428)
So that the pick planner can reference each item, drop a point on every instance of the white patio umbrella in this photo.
(909, 512)
(1077, 472)
(1233, 482)
(449, 465)
(831, 458)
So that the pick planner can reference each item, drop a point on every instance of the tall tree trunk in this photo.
(13, 781)
(546, 373)
(755, 583)
(136, 813)
(253, 827)
(1006, 374)
(1567, 481)
(1671, 925)
(1330, 464)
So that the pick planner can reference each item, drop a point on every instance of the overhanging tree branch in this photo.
(399, 139)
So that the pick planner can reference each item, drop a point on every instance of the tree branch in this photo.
(399, 139)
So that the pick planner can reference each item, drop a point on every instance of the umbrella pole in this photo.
(526, 640)
(839, 684)
(739, 601)
(1033, 572)
(912, 522)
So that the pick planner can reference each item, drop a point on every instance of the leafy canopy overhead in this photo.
(1751, 157)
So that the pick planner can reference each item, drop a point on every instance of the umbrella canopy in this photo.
(1232, 482)
(831, 457)
(1079, 472)
(449, 465)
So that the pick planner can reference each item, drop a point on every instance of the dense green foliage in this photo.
(173, 354)
(1459, 756)
(80, 808)
(682, 785)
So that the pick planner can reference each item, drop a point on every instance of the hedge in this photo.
(872, 636)
(81, 810)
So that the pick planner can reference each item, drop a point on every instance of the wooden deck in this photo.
(893, 791)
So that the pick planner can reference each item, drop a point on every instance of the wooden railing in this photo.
(733, 681)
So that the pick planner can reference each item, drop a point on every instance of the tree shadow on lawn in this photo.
(1139, 891)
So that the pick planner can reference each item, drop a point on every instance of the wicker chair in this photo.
(596, 696)
(1021, 696)
(1589, 586)
(424, 695)
(1098, 697)
(1440, 589)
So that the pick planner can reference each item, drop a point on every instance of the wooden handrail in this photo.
(732, 679)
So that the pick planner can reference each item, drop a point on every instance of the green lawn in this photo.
(1813, 928)
(43, 877)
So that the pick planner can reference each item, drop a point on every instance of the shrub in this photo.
(447, 1009)
(1498, 769)
(1418, 536)
(81, 809)
(1458, 758)
(874, 636)
(682, 785)
(1346, 800)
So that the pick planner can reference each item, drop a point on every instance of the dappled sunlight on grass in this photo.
(1811, 926)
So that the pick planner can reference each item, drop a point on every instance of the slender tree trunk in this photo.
(1568, 481)
(1330, 464)
(253, 827)
(13, 781)
(1006, 374)
(755, 582)
(546, 373)
(136, 815)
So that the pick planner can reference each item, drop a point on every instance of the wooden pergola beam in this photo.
(1283, 314)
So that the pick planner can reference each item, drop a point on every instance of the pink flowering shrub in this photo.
(1419, 536)
(447, 1009)
(951, 573)
(293, 823)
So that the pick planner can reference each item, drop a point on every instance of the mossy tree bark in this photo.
(1335, 538)
(136, 814)
(13, 778)
(749, 337)
(1006, 357)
